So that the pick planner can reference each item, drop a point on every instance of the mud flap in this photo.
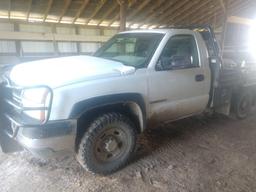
(8, 144)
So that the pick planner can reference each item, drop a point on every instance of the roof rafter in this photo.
(97, 9)
(223, 6)
(188, 15)
(186, 9)
(9, 9)
(136, 11)
(202, 11)
(164, 9)
(149, 13)
(118, 14)
(49, 6)
(64, 10)
(29, 9)
(80, 10)
(165, 18)
(107, 13)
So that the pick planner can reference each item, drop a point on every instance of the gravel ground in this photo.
(195, 154)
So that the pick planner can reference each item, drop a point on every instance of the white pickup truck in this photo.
(95, 106)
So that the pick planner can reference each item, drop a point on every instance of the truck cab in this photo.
(95, 106)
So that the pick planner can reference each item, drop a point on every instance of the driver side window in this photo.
(180, 52)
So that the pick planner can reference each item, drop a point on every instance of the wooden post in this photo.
(224, 25)
(223, 34)
(123, 8)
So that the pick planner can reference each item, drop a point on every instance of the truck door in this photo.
(179, 86)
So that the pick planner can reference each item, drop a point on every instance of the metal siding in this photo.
(7, 47)
(91, 32)
(37, 47)
(35, 28)
(66, 30)
(89, 47)
(67, 47)
(6, 27)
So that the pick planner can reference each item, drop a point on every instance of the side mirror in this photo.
(174, 62)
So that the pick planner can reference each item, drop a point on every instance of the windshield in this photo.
(133, 49)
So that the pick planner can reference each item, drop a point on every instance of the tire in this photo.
(108, 144)
(242, 105)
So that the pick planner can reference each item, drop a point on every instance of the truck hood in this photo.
(62, 71)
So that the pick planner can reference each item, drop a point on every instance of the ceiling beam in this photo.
(29, 9)
(223, 6)
(80, 10)
(165, 18)
(185, 9)
(202, 12)
(123, 12)
(218, 14)
(49, 6)
(148, 13)
(136, 11)
(189, 14)
(108, 13)
(163, 9)
(97, 9)
(115, 18)
(64, 10)
(9, 9)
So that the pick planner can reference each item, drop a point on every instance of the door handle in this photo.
(199, 77)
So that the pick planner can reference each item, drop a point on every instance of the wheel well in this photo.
(129, 109)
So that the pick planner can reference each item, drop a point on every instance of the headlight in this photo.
(36, 101)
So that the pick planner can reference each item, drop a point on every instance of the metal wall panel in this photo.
(109, 32)
(7, 47)
(37, 47)
(89, 47)
(84, 31)
(67, 47)
(66, 30)
(6, 27)
(35, 28)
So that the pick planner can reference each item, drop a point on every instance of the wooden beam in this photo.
(241, 7)
(184, 10)
(97, 9)
(218, 13)
(123, 10)
(163, 10)
(107, 13)
(186, 16)
(115, 18)
(223, 6)
(203, 13)
(136, 11)
(165, 18)
(148, 13)
(49, 6)
(29, 8)
(7, 35)
(80, 10)
(64, 10)
(9, 9)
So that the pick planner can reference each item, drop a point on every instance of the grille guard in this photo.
(13, 111)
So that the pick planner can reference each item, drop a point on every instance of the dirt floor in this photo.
(196, 154)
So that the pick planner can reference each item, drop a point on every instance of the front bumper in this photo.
(17, 131)
(53, 139)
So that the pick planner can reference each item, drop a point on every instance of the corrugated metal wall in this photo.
(12, 51)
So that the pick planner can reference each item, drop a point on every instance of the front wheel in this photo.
(108, 144)
(243, 105)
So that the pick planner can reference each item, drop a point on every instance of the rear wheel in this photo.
(108, 144)
(242, 105)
